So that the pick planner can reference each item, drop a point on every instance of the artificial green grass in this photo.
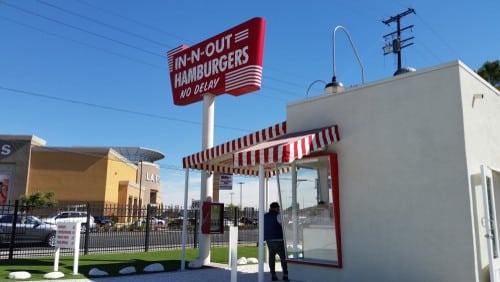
(112, 263)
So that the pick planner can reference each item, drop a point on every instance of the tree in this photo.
(39, 200)
(490, 71)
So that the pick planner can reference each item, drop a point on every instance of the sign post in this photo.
(230, 62)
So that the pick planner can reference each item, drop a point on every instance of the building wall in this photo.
(148, 178)
(404, 201)
(128, 195)
(77, 174)
(15, 156)
(72, 176)
(481, 106)
(118, 169)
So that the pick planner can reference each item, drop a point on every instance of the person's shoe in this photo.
(285, 278)
(274, 278)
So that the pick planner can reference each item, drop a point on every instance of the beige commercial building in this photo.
(98, 175)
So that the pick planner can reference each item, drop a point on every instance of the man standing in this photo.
(273, 235)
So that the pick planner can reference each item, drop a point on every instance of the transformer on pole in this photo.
(397, 43)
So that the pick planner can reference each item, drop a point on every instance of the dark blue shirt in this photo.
(272, 226)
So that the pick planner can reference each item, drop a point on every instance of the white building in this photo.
(408, 173)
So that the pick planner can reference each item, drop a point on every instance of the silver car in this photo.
(29, 229)
(71, 216)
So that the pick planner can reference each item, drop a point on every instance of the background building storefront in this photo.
(98, 175)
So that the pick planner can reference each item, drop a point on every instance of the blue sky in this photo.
(94, 73)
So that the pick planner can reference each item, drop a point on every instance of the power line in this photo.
(133, 21)
(114, 40)
(147, 63)
(178, 37)
(437, 35)
(104, 24)
(30, 93)
(108, 38)
(84, 43)
(82, 29)
(130, 58)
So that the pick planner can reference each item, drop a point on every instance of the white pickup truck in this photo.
(71, 216)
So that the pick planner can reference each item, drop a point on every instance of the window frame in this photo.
(334, 180)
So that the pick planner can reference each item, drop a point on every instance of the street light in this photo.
(337, 86)
(241, 185)
(232, 193)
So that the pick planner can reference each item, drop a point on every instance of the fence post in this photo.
(13, 231)
(87, 231)
(236, 216)
(148, 226)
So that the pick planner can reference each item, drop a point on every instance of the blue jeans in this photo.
(277, 247)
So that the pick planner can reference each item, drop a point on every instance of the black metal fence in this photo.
(110, 228)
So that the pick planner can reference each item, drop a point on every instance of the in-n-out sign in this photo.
(230, 62)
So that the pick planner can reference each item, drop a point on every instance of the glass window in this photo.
(310, 210)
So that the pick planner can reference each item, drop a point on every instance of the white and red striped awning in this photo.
(220, 158)
(268, 146)
(287, 148)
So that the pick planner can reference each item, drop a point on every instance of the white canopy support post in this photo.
(184, 221)
(206, 185)
(266, 204)
(295, 217)
(261, 222)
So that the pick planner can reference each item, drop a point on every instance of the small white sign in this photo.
(226, 182)
(68, 237)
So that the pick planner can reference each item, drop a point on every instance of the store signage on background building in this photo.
(226, 182)
(8, 148)
(152, 177)
(5, 179)
(5, 149)
(230, 62)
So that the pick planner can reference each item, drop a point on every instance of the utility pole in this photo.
(397, 43)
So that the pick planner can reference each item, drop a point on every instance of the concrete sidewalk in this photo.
(217, 273)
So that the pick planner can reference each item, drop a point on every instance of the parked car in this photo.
(71, 216)
(159, 220)
(154, 220)
(177, 222)
(103, 221)
(29, 229)
(248, 220)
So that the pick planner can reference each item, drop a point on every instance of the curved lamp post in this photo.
(336, 86)
(311, 85)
